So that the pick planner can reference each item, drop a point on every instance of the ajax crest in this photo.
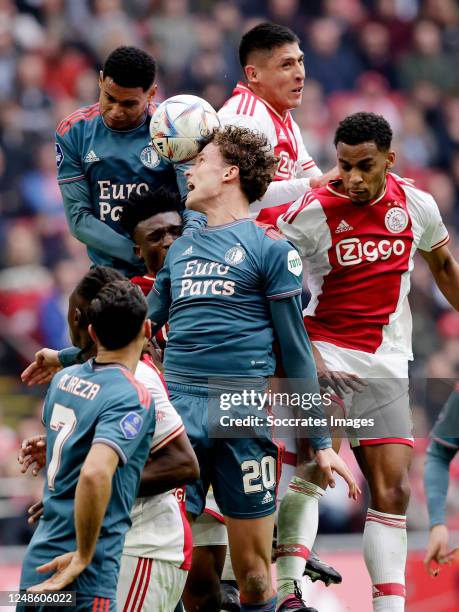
(396, 220)
(149, 157)
(235, 255)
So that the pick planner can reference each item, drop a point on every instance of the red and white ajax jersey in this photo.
(159, 528)
(245, 109)
(359, 262)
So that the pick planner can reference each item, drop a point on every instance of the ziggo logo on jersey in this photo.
(352, 251)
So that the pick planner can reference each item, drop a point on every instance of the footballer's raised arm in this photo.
(78, 206)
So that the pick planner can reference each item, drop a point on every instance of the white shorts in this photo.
(209, 528)
(385, 399)
(148, 584)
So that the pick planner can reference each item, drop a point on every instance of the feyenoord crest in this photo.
(235, 255)
(396, 220)
(149, 157)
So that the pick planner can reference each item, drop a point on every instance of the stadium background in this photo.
(399, 58)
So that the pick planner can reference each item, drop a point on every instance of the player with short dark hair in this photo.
(103, 156)
(359, 235)
(264, 37)
(155, 560)
(364, 127)
(130, 67)
(273, 67)
(153, 221)
(97, 419)
(234, 284)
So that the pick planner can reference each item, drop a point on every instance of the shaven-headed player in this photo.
(233, 285)
(99, 422)
(157, 549)
(103, 156)
(359, 235)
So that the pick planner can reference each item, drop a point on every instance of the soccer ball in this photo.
(180, 126)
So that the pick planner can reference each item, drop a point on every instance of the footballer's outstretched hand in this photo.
(340, 382)
(33, 454)
(330, 462)
(66, 567)
(41, 371)
(437, 548)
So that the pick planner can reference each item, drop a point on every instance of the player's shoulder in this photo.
(120, 385)
(267, 231)
(245, 108)
(149, 375)
(77, 119)
(411, 191)
(272, 240)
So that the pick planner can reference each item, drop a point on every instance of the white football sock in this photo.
(384, 549)
(297, 523)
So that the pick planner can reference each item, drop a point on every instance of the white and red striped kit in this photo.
(245, 109)
(359, 261)
(158, 546)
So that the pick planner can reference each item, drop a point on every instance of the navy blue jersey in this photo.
(111, 164)
(89, 404)
(215, 287)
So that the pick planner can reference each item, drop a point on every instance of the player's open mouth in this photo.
(298, 90)
(190, 186)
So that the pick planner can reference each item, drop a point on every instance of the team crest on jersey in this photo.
(396, 220)
(59, 155)
(131, 425)
(294, 263)
(235, 255)
(149, 157)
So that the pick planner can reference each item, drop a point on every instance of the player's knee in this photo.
(393, 497)
(254, 585)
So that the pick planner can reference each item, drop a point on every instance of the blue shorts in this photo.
(243, 472)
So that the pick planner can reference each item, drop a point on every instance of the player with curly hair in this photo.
(234, 285)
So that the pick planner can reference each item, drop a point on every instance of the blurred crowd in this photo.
(398, 58)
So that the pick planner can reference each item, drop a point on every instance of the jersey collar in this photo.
(284, 117)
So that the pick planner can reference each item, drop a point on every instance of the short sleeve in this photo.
(435, 233)
(168, 424)
(304, 224)
(446, 428)
(68, 161)
(283, 269)
(125, 422)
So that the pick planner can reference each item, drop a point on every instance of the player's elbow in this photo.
(186, 468)
(95, 476)
(190, 468)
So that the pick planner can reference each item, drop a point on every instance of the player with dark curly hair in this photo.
(228, 289)
(103, 156)
(359, 235)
